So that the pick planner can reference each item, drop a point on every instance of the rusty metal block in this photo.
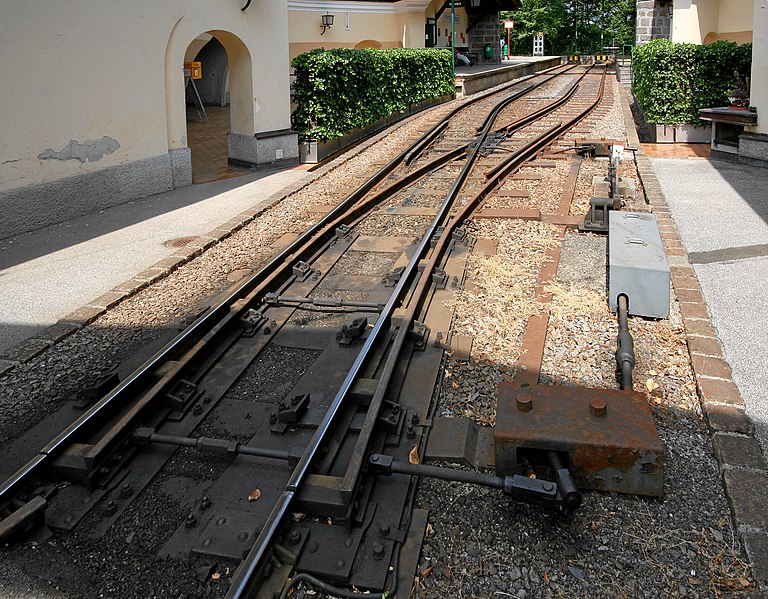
(608, 437)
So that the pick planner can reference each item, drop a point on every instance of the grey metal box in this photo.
(637, 264)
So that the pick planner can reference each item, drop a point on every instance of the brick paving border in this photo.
(743, 468)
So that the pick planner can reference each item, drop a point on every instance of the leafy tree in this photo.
(578, 26)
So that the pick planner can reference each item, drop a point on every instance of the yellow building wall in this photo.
(759, 80)
(706, 21)
(87, 69)
(363, 24)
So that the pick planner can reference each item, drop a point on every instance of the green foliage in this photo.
(339, 90)
(571, 26)
(673, 81)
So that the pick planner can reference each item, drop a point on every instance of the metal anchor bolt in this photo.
(191, 521)
(597, 407)
(294, 536)
(205, 503)
(384, 528)
(524, 402)
(378, 550)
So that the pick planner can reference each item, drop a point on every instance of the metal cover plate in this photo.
(638, 265)
(619, 451)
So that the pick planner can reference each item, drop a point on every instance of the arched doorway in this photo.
(203, 114)
(376, 45)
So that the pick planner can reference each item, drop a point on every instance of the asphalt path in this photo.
(48, 273)
(721, 210)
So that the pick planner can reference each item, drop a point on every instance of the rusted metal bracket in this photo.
(607, 439)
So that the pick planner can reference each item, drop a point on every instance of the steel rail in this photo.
(210, 325)
(200, 334)
(244, 575)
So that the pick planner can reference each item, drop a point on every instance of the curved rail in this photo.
(212, 325)
(245, 575)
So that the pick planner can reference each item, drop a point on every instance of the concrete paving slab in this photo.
(48, 273)
(721, 210)
(716, 204)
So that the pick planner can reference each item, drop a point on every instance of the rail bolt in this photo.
(191, 521)
(378, 550)
(524, 402)
(294, 536)
(597, 407)
(384, 528)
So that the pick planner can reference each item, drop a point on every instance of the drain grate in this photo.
(179, 242)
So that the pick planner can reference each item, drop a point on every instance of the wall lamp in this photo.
(327, 20)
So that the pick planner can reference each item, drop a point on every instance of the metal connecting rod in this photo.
(625, 351)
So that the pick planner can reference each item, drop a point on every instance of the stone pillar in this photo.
(485, 31)
(653, 20)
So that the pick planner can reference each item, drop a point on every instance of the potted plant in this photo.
(739, 95)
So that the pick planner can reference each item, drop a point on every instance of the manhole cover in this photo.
(179, 242)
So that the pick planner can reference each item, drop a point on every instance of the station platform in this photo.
(51, 272)
(479, 77)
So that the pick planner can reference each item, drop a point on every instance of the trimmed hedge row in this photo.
(673, 81)
(339, 90)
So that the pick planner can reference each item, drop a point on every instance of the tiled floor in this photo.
(208, 142)
(676, 150)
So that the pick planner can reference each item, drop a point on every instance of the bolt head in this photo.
(377, 550)
(524, 402)
(384, 528)
(598, 408)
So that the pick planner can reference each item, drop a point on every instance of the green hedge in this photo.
(340, 90)
(673, 81)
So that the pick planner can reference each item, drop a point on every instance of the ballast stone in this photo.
(637, 264)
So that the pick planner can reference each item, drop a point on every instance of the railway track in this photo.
(313, 472)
